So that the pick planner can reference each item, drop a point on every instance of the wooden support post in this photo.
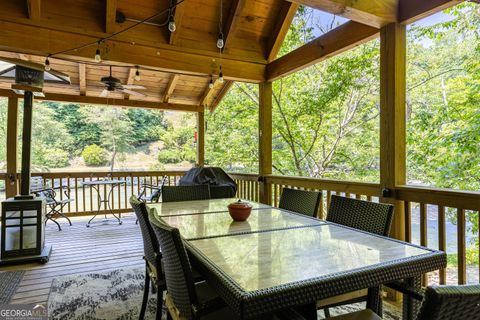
(265, 139)
(393, 123)
(200, 139)
(11, 186)
(393, 119)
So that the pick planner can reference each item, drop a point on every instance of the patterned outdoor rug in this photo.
(117, 294)
(389, 311)
(9, 281)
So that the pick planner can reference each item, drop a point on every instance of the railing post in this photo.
(265, 139)
(393, 118)
(200, 139)
(11, 184)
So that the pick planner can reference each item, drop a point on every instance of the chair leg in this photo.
(159, 304)
(374, 301)
(49, 217)
(146, 289)
(327, 312)
(61, 214)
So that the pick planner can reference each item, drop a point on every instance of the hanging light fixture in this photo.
(171, 21)
(98, 57)
(210, 84)
(220, 75)
(220, 41)
(47, 64)
(137, 74)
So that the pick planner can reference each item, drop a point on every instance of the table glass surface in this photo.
(262, 260)
(196, 207)
(220, 223)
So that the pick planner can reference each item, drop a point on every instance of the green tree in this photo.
(146, 124)
(178, 143)
(94, 155)
(116, 129)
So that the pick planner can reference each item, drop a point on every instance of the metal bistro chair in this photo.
(439, 303)
(152, 256)
(185, 298)
(154, 194)
(155, 191)
(300, 201)
(185, 193)
(363, 215)
(54, 205)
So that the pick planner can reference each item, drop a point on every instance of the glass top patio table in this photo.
(261, 272)
(221, 224)
(195, 207)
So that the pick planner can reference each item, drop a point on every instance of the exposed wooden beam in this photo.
(213, 105)
(34, 8)
(412, 10)
(208, 93)
(36, 40)
(82, 79)
(233, 22)
(110, 15)
(287, 13)
(108, 101)
(142, 38)
(170, 87)
(375, 13)
(130, 80)
(179, 11)
(331, 43)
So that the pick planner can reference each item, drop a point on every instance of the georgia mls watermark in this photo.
(23, 312)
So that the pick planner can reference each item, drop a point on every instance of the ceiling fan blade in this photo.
(134, 93)
(104, 93)
(133, 86)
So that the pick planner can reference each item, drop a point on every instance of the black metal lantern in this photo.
(23, 237)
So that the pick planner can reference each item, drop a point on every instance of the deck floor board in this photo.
(106, 245)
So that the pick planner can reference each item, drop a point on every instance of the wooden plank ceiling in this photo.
(176, 68)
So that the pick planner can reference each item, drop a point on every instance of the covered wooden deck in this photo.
(253, 33)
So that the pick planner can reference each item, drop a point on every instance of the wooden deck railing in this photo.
(85, 199)
(247, 186)
(422, 201)
(437, 202)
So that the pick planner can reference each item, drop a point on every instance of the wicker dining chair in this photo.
(185, 298)
(439, 303)
(300, 201)
(152, 256)
(221, 192)
(363, 215)
(185, 193)
(359, 214)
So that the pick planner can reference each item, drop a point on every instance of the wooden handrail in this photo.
(469, 200)
(244, 176)
(364, 188)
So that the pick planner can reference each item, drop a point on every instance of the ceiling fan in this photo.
(114, 84)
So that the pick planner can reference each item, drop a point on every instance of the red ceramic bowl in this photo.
(240, 210)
